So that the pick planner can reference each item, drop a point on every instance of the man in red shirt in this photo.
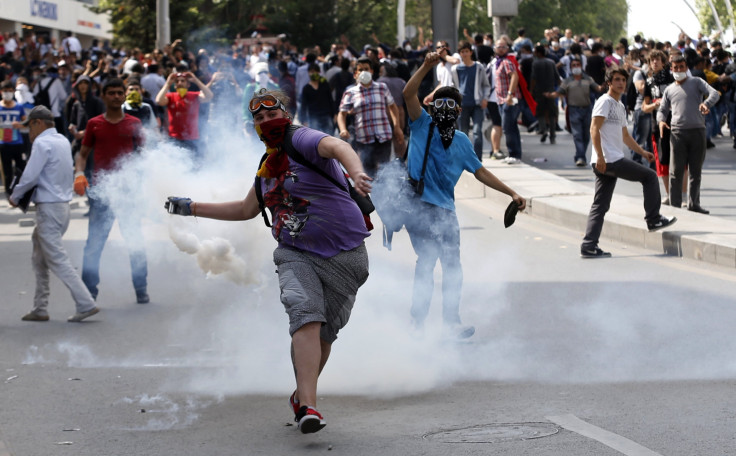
(112, 136)
(183, 108)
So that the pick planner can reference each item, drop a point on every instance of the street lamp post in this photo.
(163, 25)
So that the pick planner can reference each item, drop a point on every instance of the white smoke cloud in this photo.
(230, 327)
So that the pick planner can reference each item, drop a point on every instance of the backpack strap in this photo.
(419, 185)
(302, 160)
(259, 194)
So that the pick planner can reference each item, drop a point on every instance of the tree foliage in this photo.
(603, 18)
(134, 21)
(705, 14)
(322, 22)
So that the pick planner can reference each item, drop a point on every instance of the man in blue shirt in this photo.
(434, 230)
(11, 140)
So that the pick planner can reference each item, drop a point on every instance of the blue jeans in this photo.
(580, 126)
(435, 234)
(101, 218)
(509, 114)
(476, 113)
(642, 133)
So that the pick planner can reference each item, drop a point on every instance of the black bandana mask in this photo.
(445, 120)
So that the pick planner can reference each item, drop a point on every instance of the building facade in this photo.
(54, 18)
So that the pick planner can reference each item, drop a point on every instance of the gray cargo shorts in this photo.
(316, 289)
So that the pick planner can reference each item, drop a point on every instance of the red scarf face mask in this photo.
(272, 133)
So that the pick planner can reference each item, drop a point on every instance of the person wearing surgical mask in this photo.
(11, 141)
(578, 89)
(375, 113)
(684, 99)
(261, 80)
(183, 109)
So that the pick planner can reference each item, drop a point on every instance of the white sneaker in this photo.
(512, 161)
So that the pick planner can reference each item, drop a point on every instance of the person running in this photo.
(321, 257)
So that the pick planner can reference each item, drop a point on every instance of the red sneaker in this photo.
(310, 420)
(294, 405)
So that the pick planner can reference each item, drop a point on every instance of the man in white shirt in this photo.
(444, 69)
(609, 134)
(71, 45)
(49, 175)
(11, 44)
(153, 81)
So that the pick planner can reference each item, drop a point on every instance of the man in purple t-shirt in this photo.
(321, 257)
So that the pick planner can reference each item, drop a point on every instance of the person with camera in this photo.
(183, 108)
(321, 257)
(434, 230)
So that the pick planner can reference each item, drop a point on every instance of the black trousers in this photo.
(11, 156)
(605, 183)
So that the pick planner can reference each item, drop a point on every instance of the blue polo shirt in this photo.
(444, 166)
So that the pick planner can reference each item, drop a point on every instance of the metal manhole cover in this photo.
(494, 433)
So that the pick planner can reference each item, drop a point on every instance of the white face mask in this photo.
(407, 48)
(262, 79)
(679, 76)
(365, 78)
(577, 70)
(8, 96)
(602, 53)
(487, 42)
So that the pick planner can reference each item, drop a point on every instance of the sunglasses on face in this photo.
(444, 102)
(267, 102)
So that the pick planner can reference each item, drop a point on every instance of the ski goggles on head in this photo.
(268, 102)
(444, 103)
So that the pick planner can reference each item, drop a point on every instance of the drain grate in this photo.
(494, 433)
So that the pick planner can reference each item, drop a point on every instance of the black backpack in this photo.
(42, 98)
(364, 202)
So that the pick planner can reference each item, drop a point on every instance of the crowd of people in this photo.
(319, 115)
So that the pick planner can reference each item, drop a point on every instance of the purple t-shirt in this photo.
(309, 212)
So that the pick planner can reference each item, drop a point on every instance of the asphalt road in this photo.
(640, 345)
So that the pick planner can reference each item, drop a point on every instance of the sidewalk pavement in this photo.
(567, 203)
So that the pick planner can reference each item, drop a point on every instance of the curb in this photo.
(565, 203)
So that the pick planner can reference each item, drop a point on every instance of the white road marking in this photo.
(615, 441)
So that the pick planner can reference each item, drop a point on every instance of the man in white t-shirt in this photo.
(71, 45)
(609, 134)
(443, 70)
